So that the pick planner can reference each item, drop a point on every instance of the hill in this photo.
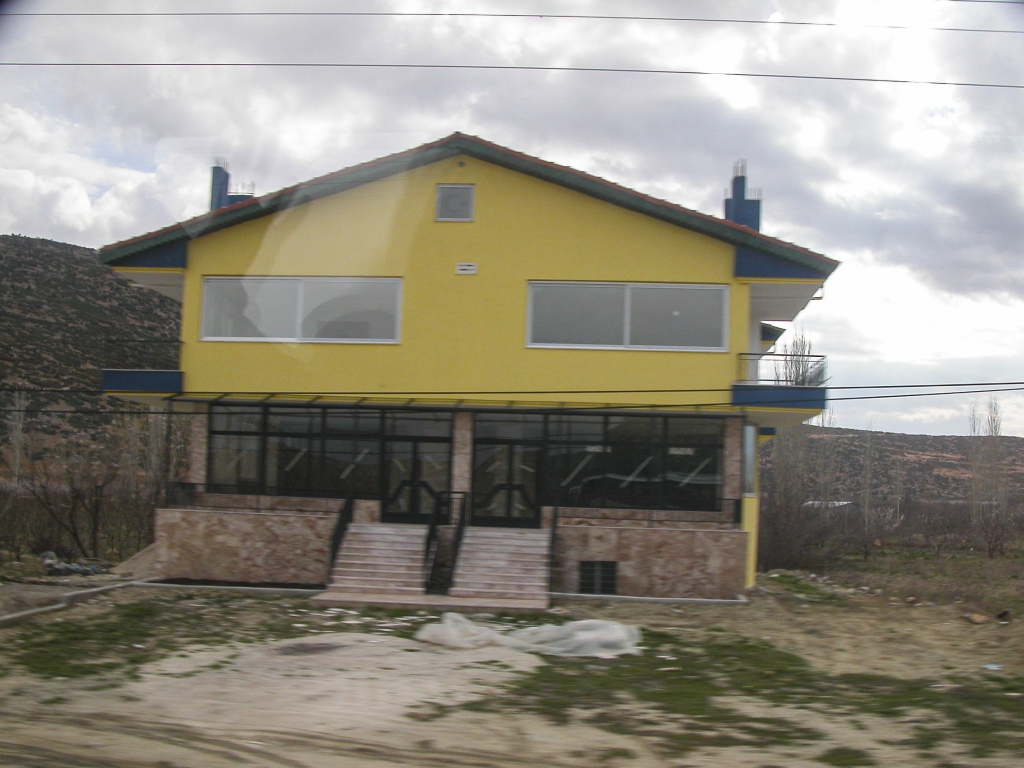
(59, 309)
(916, 466)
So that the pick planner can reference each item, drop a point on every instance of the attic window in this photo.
(454, 202)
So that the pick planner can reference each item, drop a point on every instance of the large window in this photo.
(523, 461)
(633, 462)
(338, 309)
(329, 452)
(628, 315)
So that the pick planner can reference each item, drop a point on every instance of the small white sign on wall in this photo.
(465, 268)
(681, 451)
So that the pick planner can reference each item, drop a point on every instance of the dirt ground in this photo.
(806, 674)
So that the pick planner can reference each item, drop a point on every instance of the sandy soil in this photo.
(362, 699)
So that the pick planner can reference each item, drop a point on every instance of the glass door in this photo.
(505, 486)
(417, 467)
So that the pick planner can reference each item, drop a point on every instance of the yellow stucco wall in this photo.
(460, 333)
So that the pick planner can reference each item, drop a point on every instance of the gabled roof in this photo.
(463, 144)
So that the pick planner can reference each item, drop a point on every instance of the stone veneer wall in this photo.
(660, 553)
(199, 430)
(268, 545)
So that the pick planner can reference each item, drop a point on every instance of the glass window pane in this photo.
(508, 426)
(692, 479)
(411, 424)
(350, 309)
(576, 429)
(632, 474)
(234, 464)
(633, 429)
(296, 421)
(352, 468)
(584, 314)
(685, 431)
(353, 422)
(291, 465)
(250, 307)
(235, 418)
(574, 474)
(677, 316)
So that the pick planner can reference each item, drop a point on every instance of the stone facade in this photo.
(257, 546)
(659, 553)
(462, 459)
(199, 430)
(732, 459)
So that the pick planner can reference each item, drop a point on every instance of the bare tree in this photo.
(993, 520)
(797, 529)
(797, 366)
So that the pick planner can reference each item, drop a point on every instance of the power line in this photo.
(423, 392)
(578, 406)
(529, 16)
(508, 67)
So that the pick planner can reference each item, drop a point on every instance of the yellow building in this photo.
(465, 370)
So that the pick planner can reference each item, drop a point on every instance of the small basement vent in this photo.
(454, 202)
(598, 577)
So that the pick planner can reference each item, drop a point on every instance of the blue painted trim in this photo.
(771, 332)
(173, 255)
(766, 431)
(141, 381)
(776, 396)
(754, 263)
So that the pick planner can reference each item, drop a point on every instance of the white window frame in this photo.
(626, 316)
(471, 187)
(298, 338)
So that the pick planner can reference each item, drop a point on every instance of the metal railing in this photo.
(783, 370)
(447, 502)
(340, 528)
(551, 550)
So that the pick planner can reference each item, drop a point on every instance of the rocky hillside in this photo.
(59, 309)
(919, 466)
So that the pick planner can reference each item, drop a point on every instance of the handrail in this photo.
(340, 527)
(551, 550)
(465, 513)
(785, 370)
(430, 547)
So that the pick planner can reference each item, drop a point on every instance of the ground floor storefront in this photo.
(642, 504)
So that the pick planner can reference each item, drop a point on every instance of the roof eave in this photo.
(474, 147)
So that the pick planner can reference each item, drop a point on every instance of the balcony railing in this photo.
(783, 370)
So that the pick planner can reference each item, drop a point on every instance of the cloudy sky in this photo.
(917, 189)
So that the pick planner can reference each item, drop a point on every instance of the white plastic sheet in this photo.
(574, 638)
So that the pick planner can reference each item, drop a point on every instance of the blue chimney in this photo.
(220, 183)
(738, 208)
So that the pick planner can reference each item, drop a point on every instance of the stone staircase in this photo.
(503, 564)
(378, 560)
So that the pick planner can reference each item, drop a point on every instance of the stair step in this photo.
(364, 589)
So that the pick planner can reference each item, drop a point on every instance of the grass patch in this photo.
(802, 590)
(987, 584)
(126, 633)
(685, 702)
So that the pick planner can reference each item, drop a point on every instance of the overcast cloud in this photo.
(917, 189)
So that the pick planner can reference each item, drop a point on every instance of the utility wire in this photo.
(430, 393)
(507, 67)
(784, 402)
(531, 16)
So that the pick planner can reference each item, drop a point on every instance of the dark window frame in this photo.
(598, 577)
